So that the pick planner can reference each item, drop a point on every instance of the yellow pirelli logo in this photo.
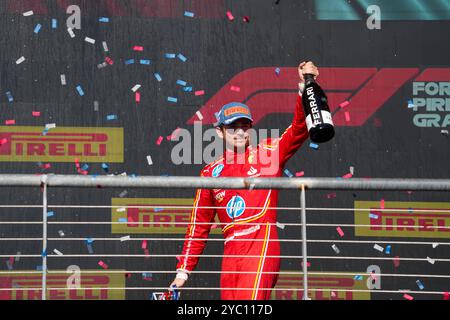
(402, 219)
(61, 144)
(93, 286)
(329, 287)
(165, 215)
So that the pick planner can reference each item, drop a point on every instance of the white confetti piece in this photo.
(125, 238)
(136, 88)
(89, 40)
(377, 247)
(20, 60)
(96, 104)
(59, 253)
(50, 126)
(199, 115)
(120, 210)
(123, 193)
(61, 233)
(280, 225)
(352, 170)
(149, 160)
(105, 46)
(70, 31)
(430, 260)
(335, 248)
(63, 79)
(28, 13)
(435, 244)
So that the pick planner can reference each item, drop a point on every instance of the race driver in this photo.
(251, 262)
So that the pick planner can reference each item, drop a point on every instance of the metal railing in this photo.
(52, 181)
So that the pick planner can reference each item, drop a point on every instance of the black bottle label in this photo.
(317, 114)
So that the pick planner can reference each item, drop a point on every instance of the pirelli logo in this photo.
(159, 218)
(332, 287)
(406, 222)
(61, 144)
(93, 286)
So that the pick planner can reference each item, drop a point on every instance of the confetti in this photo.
(111, 117)
(37, 28)
(199, 92)
(199, 115)
(396, 261)
(188, 14)
(410, 104)
(136, 88)
(71, 33)
(352, 170)
(435, 244)
(54, 23)
(335, 248)
(313, 146)
(420, 285)
(123, 220)
(408, 297)
(149, 160)
(20, 60)
(80, 90)
(138, 48)
(444, 132)
(102, 264)
(344, 104)
(158, 77)
(388, 249)
(59, 253)
(105, 46)
(373, 216)
(145, 61)
(144, 244)
(280, 225)
(288, 173)
(430, 260)
(246, 19)
(103, 19)
(9, 96)
(339, 230)
(125, 238)
(277, 71)
(235, 88)
(10, 122)
(89, 40)
(96, 105)
(347, 176)
(129, 61)
(3, 141)
(377, 247)
(331, 195)
(230, 16)
(28, 13)
(358, 277)
(50, 214)
(172, 99)
(158, 209)
(181, 83)
(382, 203)
(181, 57)
(187, 89)
(160, 139)
(446, 295)
(61, 233)
(347, 116)
(170, 55)
(300, 174)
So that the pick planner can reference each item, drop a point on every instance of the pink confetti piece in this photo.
(344, 104)
(46, 166)
(396, 261)
(300, 174)
(347, 176)
(102, 264)
(3, 141)
(235, 88)
(230, 16)
(146, 252)
(199, 92)
(308, 264)
(339, 230)
(137, 97)
(36, 113)
(10, 122)
(408, 297)
(446, 295)
(160, 139)
(331, 195)
(144, 244)
(109, 61)
(246, 19)
(138, 48)
(382, 203)
(347, 116)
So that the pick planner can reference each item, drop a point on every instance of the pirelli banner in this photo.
(61, 144)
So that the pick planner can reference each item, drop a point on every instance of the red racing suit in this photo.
(251, 262)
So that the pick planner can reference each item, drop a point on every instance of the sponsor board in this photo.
(93, 286)
(61, 144)
(332, 287)
(155, 219)
(406, 222)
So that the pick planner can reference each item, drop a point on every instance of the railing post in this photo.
(304, 250)
(44, 236)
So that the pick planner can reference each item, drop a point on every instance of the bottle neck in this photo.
(309, 78)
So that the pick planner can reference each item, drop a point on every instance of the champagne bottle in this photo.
(318, 117)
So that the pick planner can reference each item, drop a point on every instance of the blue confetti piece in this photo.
(158, 209)
(388, 249)
(181, 57)
(123, 220)
(103, 19)
(277, 71)
(170, 55)
(38, 268)
(54, 23)
(129, 61)
(105, 166)
(89, 240)
(181, 83)
(420, 285)
(44, 133)
(10, 97)
(37, 28)
(111, 117)
(373, 216)
(144, 61)
(80, 90)
(147, 274)
(188, 14)
(313, 145)
(90, 249)
(187, 89)
(358, 277)
(44, 253)
(158, 77)
(410, 104)
(85, 167)
(172, 99)
(50, 214)
(288, 173)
